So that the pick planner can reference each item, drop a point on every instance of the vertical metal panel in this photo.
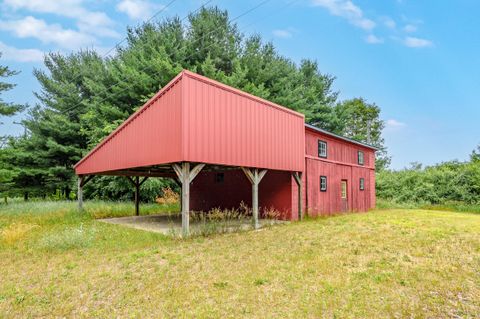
(200, 120)
(150, 136)
(225, 126)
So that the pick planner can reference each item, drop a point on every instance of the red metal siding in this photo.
(274, 192)
(200, 120)
(226, 126)
(150, 136)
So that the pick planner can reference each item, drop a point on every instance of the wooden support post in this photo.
(80, 192)
(185, 199)
(137, 183)
(82, 180)
(137, 196)
(186, 176)
(298, 179)
(255, 177)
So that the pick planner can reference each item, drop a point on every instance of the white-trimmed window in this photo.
(361, 158)
(362, 183)
(322, 148)
(323, 183)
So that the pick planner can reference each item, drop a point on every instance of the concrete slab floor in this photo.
(172, 224)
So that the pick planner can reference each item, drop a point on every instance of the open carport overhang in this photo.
(195, 124)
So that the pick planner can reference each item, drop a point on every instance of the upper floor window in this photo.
(362, 183)
(361, 160)
(322, 149)
(323, 183)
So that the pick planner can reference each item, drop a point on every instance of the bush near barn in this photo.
(452, 183)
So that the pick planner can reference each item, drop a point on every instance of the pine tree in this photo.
(361, 121)
(7, 109)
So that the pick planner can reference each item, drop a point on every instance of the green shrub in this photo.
(446, 182)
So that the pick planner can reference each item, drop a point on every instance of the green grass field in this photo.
(57, 262)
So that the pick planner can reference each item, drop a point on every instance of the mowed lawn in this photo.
(56, 262)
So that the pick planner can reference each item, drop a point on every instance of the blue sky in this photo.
(417, 60)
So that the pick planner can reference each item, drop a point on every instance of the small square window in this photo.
(219, 177)
(322, 149)
(323, 183)
(361, 160)
(362, 184)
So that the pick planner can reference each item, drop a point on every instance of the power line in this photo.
(234, 19)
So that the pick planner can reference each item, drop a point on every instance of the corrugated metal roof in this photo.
(314, 128)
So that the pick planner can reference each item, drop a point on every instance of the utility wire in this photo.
(234, 19)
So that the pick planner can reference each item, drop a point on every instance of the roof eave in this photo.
(314, 128)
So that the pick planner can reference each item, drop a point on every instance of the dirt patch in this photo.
(171, 224)
(154, 223)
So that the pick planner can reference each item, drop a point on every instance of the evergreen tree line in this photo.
(84, 96)
(443, 183)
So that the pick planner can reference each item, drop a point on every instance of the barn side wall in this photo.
(339, 151)
(341, 164)
(330, 202)
(274, 191)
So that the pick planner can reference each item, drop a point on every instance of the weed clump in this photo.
(218, 221)
(16, 232)
(69, 238)
(169, 197)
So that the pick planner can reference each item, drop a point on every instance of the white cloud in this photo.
(389, 22)
(20, 55)
(282, 33)
(92, 21)
(347, 10)
(394, 124)
(47, 33)
(410, 28)
(137, 9)
(372, 39)
(413, 42)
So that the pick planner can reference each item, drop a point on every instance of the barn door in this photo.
(344, 195)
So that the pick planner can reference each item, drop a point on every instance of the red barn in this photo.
(225, 146)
